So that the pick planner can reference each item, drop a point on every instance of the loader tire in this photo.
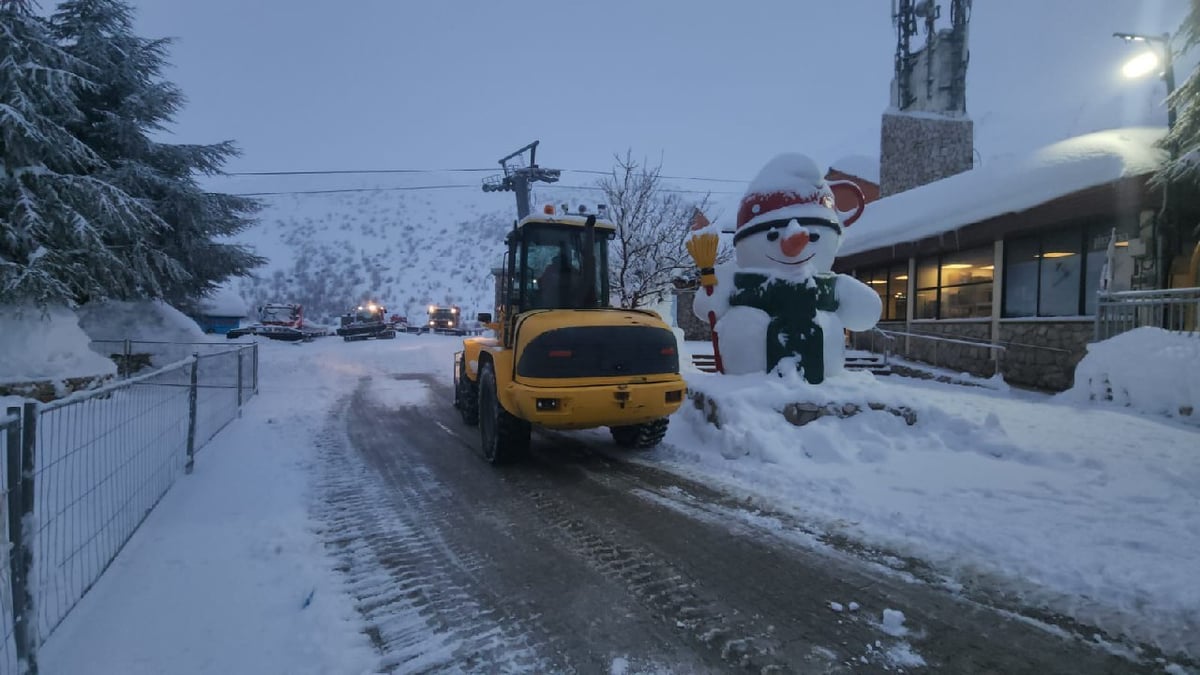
(504, 437)
(466, 397)
(641, 436)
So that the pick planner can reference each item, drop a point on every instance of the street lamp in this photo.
(1147, 62)
(1139, 66)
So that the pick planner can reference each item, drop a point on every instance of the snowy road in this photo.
(579, 561)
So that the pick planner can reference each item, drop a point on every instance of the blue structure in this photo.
(218, 324)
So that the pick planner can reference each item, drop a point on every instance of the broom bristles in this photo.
(703, 248)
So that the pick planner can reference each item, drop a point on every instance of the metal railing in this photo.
(133, 356)
(1175, 309)
(997, 349)
(82, 473)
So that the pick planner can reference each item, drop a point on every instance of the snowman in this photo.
(781, 299)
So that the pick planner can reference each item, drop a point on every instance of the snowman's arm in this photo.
(859, 307)
(717, 303)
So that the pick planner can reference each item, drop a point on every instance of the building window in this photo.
(1057, 273)
(891, 283)
(955, 285)
(1061, 273)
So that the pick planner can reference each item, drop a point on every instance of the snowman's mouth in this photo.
(798, 262)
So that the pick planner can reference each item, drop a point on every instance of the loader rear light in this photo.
(547, 404)
(560, 353)
(548, 209)
(675, 396)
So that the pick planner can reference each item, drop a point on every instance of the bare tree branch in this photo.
(653, 226)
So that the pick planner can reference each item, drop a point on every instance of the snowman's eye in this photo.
(814, 236)
(772, 235)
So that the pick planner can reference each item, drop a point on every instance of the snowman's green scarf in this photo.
(792, 306)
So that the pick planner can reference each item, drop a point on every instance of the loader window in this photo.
(552, 270)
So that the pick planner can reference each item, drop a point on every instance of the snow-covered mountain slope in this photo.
(403, 240)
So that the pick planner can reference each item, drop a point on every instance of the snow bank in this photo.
(138, 320)
(37, 346)
(1149, 369)
(1093, 514)
(1006, 187)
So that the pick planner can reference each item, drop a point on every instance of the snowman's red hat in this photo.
(791, 186)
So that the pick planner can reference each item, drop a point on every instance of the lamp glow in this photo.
(1141, 65)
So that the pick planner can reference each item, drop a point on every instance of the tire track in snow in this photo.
(412, 589)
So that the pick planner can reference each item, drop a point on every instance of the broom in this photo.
(703, 248)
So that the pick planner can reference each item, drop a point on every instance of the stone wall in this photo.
(916, 150)
(1043, 368)
(693, 328)
(1038, 354)
(962, 358)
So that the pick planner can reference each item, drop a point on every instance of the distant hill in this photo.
(389, 240)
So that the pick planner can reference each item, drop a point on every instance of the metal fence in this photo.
(1175, 309)
(82, 473)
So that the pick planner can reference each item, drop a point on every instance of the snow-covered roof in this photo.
(860, 166)
(224, 302)
(1007, 186)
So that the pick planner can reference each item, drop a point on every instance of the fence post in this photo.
(191, 436)
(255, 367)
(239, 382)
(22, 440)
(126, 367)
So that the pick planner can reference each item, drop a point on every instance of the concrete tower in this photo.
(926, 134)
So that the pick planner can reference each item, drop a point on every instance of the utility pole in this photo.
(518, 179)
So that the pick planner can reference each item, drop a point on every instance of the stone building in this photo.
(1010, 255)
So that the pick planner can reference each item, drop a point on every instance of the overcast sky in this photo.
(714, 88)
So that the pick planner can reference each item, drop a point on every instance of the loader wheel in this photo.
(505, 438)
(641, 436)
(466, 397)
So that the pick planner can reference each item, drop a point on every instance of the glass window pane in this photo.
(1061, 273)
(967, 267)
(878, 283)
(1021, 277)
(895, 306)
(926, 307)
(927, 273)
(965, 302)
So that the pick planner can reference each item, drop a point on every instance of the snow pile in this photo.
(1064, 505)
(152, 320)
(37, 346)
(1149, 369)
(1006, 187)
(225, 301)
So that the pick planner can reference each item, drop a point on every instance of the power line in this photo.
(335, 172)
(596, 187)
(340, 172)
(329, 192)
(458, 186)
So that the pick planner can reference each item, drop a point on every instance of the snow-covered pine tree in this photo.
(65, 235)
(130, 102)
(1184, 136)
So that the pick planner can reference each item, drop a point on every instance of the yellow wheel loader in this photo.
(562, 357)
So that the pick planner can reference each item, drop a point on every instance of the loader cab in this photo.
(557, 262)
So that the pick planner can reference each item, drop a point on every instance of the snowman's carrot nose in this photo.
(793, 245)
